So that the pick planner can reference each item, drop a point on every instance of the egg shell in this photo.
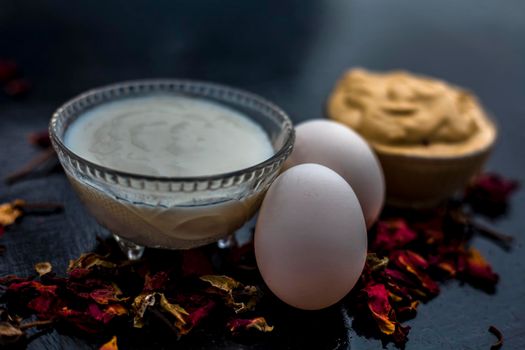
(310, 237)
(341, 149)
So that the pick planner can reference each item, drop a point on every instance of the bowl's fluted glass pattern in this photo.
(173, 212)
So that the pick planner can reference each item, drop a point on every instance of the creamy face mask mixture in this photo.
(405, 113)
(168, 135)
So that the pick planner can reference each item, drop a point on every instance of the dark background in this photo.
(290, 52)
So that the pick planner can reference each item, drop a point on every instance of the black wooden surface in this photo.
(290, 52)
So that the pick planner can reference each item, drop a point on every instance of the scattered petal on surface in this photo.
(9, 212)
(238, 325)
(110, 345)
(43, 267)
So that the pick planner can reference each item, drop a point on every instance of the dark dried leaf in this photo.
(155, 282)
(239, 297)
(239, 325)
(89, 261)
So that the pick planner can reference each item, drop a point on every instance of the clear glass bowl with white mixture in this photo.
(172, 212)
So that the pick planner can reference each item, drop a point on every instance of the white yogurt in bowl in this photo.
(170, 136)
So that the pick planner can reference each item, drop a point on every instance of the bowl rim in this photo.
(281, 153)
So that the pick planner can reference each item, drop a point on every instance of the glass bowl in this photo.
(172, 212)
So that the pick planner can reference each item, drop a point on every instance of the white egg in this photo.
(310, 237)
(341, 149)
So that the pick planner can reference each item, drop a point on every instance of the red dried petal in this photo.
(478, 270)
(30, 286)
(407, 312)
(110, 345)
(380, 307)
(197, 315)
(99, 314)
(195, 263)
(495, 188)
(44, 305)
(8, 69)
(81, 320)
(10, 279)
(489, 194)
(384, 315)
(79, 273)
(105, 295)
(155, 282)
(239, 324)
(415, 264)
(392, 234)
(400, 336)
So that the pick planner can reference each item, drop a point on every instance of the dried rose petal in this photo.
(31, 285)
(377, 300)
(110, 345)
(238, 325)
(489, 194)
(81, 320)
(10, 279)
(182, 321)
(477, 269)
(375, 263)
(43, 267)
(139, 307)
(155, 282)
(104, 315)
(106, 295)
(90, 260)
(493, 188)
(392, 234)
(407, 312)
(200, 313)
(44, 305)
(239, 297)
(175, 310)
(416, 265)
(78, 273)
(9, 212)
(195, 263)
